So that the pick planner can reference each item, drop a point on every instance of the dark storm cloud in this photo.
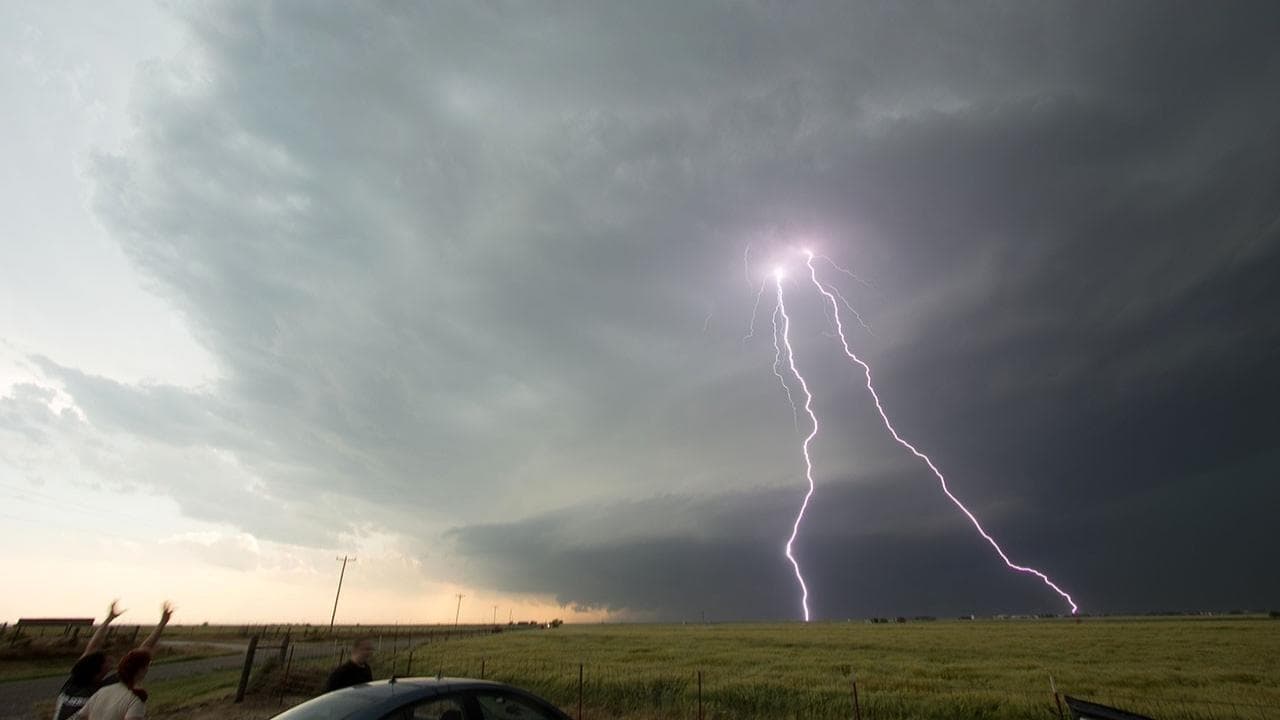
(889, 546)
(455, 262)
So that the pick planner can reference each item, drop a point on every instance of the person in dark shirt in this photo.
(92, 671)
(354, 671)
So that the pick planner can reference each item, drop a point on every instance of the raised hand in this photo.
(100, 635)
(166, 612)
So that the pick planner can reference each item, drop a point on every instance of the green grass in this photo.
(27, 668)
(170, 696)
(175, 698)
(1171, 668)
(25, 663)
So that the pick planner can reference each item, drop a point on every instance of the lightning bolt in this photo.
(851, 309)
(777, 364)
(842, 269)
(848, 305)
(751, 328)
(808, 461)
(866, 370)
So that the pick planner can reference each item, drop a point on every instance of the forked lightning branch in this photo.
(785, 359)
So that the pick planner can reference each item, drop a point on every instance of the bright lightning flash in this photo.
(778, 275)
(866, 370)
(777, 370)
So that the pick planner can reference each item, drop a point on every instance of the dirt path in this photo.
(18, 696)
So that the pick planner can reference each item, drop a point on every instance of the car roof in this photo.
(452, 683)
(389, 694)
(425, 686)
(374, 699)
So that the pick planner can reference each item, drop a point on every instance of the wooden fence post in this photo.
(284, 684)
(853, 686)
(1056, 698)
(248, 668)
(699, 695)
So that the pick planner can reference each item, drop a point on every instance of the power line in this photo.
(341, 574)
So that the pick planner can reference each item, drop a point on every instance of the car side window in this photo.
(504, 706)
(434, 709)
(445, 709)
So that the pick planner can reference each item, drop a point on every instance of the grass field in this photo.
(1169, 668)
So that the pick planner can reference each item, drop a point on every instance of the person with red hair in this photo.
(125, 700)
(92, 671)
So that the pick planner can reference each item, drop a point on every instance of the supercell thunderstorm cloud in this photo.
(458, 289)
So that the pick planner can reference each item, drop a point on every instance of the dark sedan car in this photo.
(426, 699)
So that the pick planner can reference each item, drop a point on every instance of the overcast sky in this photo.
(462, 288)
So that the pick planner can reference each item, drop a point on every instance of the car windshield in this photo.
(333, 706)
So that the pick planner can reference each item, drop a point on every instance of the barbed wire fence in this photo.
(275, 665)
(596, 691)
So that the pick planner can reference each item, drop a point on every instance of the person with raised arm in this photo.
(166, 612)
(92, 671)
(124, 699)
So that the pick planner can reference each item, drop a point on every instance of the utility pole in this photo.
(458, 613)
(509, 614)
(495, 614)
(341, 574)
